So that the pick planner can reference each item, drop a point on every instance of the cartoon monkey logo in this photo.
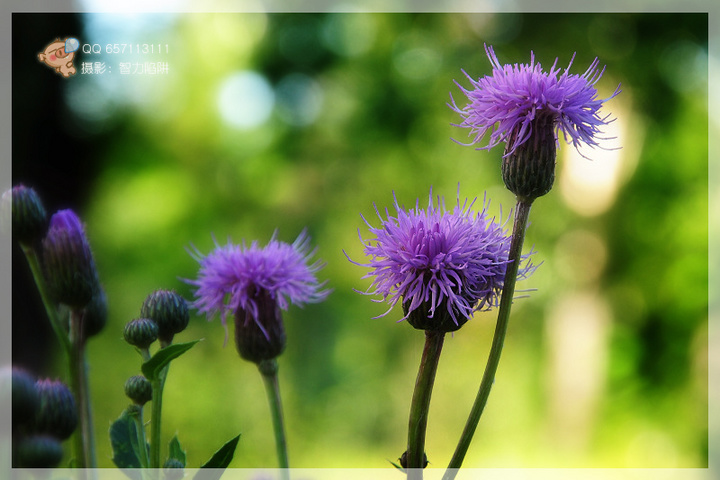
(59, 55)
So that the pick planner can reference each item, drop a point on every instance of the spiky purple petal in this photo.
(435, 256)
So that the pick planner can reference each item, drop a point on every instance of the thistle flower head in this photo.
(68, 261)
(249, 281)
(441, 265)
(509, 103)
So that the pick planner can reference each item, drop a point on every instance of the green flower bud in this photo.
(58, 412)
(38, 451)
(169, 310)
(68, 262)
(138, 389)
(29, 219)
(264, 338)
(529, 171)
(25, 401)
(173, 469)
(141, 332)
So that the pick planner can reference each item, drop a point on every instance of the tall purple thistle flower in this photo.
(517, 97)
(253, 282)
(441, 265)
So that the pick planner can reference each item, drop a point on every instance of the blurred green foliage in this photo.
(605, 363)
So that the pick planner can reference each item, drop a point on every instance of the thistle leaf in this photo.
(219, 461)
(152, 368)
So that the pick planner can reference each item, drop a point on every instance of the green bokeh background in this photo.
(605, 362)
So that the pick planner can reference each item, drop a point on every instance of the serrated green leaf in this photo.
(152, 368)
(219, 461)
(176, 451)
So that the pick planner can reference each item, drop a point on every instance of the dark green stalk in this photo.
(522, 211)
(85, 436)
(268, 370)
(420, 405)
(141, 439)
(50, 306)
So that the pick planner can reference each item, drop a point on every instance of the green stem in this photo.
(141, 439)
(85, 436)
(268, 370)
(522, 212)
(50, 307)
(417, 425)
(156, 422)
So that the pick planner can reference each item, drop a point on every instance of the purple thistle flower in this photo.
(509, 103)
(433, 259)
(235, 278)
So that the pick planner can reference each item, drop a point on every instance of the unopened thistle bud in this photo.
(38, 451)
(25, 401)
(173, 469)
(58, 411)
(528, 169)
(68, 261)
(261, 335)
(141, 332)
(29, 219)
(169, 311)
(138, 389)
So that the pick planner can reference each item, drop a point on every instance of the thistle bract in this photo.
(169, 311)
(141, 332)
(58, 412)
(138, 389)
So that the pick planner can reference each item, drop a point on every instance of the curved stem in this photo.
(522, 212)
(421, 403)
(268, 370)
(141, 440)
(85, 436)
(50, 307)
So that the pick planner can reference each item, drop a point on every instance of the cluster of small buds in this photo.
(44, 414)
(67, 260)
(58, 411)
(163, 314)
